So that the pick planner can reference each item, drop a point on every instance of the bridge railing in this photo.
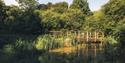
(85, 36)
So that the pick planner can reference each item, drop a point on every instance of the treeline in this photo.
(32, 17)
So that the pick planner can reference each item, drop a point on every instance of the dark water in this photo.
(91, 53)
(26, 53)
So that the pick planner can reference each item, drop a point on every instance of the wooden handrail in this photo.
(82, 36)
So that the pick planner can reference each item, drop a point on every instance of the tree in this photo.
(60, 7)
(2, 15)
(115, 9)
(97, 22)
(82, 5)
(2, 10)
(74, 19)
(42, 7)
(71, 19)
(28, 4)
(45, 6)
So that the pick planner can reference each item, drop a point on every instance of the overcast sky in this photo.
(93, 4)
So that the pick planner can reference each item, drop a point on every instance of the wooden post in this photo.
(90, 38)
(87, 37)
(102, 39)
(78, 37)
(95, 37)
(83, 36)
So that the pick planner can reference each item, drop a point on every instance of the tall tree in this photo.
(82, 5)
(115, 9)
(2, 15)
(2, 6)
(60, 7)
(28, 4)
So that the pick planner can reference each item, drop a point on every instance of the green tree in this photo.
(28, 4)
(115, 9)
(70, 19)
(2, 5)
(99, 21)
(74, 19)
(2, 15)
(82, 5)
(60, 7)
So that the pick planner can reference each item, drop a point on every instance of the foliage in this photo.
(60, 7)
(70, 19)
(28, 4)
(82, 5)
(47, 42)
(2, 8)
(41, 43)
(115, 9)
(2, 15)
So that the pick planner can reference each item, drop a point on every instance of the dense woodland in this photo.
(22, 28)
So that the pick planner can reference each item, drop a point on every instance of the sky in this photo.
(94, 5)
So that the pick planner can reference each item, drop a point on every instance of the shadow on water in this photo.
(18, 48)
(60, 58)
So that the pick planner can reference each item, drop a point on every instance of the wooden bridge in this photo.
(86, 36)
(91, 44)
